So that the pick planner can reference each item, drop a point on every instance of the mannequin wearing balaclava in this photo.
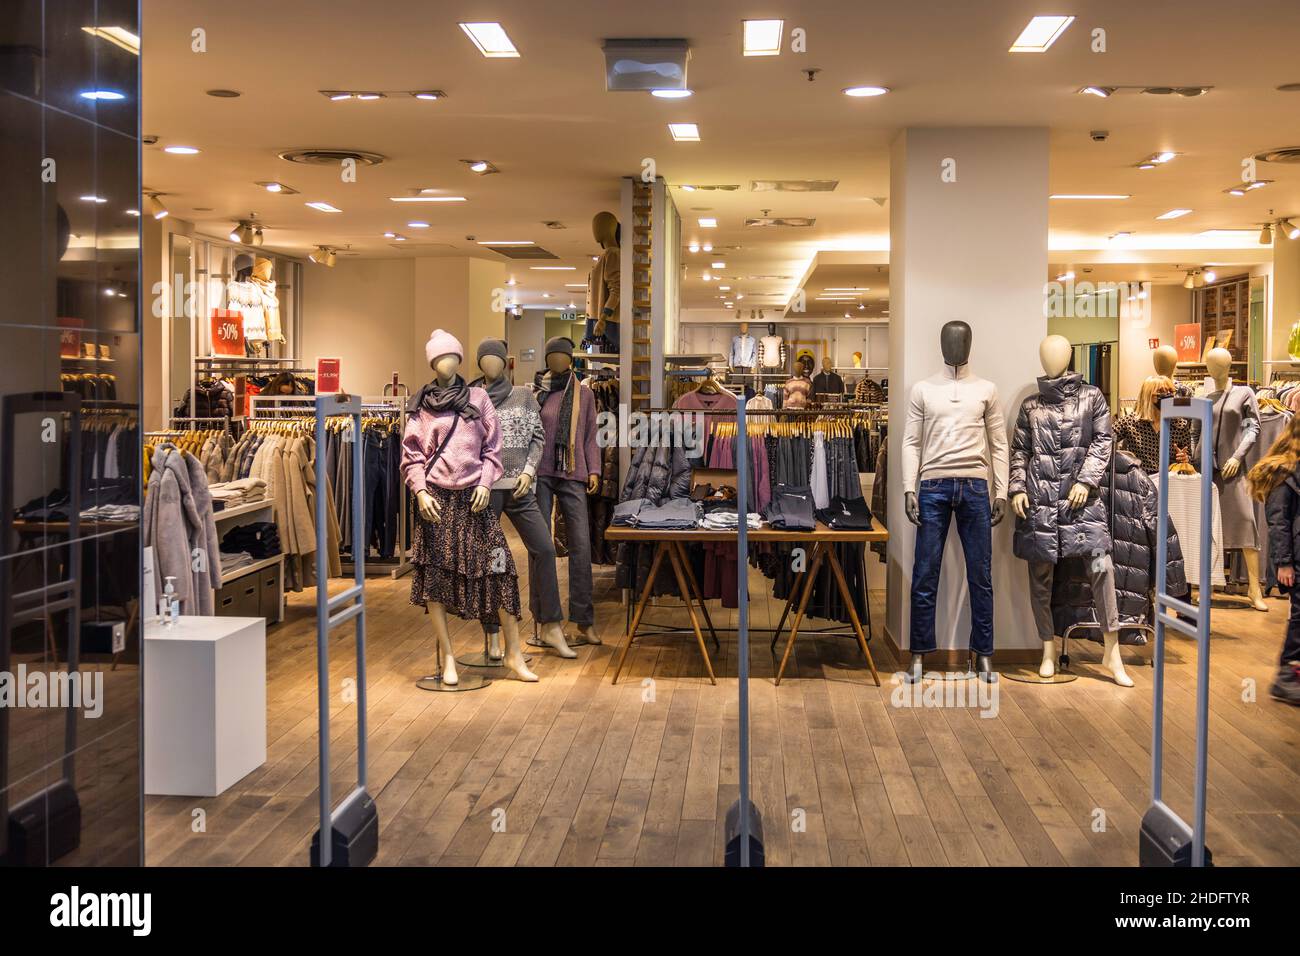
(604, 281)
(954, 465)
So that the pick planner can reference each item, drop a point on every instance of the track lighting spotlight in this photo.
(1266, 234)
(323, 256)
(1189, 282)
(1210, 275)
(155, 206)
(257, 236)
(1289, 229)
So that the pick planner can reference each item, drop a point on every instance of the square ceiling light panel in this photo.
(646, 65)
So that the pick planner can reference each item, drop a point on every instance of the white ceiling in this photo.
(562, 143)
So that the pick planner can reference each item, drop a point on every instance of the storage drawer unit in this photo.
(240, 597)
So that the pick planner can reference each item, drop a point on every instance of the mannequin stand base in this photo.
(940, 675)
(434, 682)
(1030, 675)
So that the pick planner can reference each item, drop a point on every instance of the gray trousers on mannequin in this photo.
(1101, 580)
(572, 498)
(535, 532)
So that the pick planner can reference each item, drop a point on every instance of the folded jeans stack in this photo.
(261, 539)
(847, 514)
(791, 508)
(625, 512)
(675, 513)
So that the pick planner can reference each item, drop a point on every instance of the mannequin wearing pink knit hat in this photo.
(451, 457)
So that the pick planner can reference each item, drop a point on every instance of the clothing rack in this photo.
(223, 420)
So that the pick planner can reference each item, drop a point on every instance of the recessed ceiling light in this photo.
(546, 295)
(390, 235)
(133, 212)
(1174, 214)
(708, 223)
(427, 198)
(1040, 33)
(118, 36)
(340, 96)
(724, 288)
(324, 207)
(553, 268)
(399, 238)
(1065, 277)
(1164, 157)
(370, 96)
(708, 246)
(505, 242)
(93, 199)
(1101, 91)
(685, 132)
(671, 94)
(102, 95)
(181, 150)
(491, 39)
(575, 285)
(860, 91)
(763, 37)
(429, 94)
(719, 265)
(1146, 164)
(417, 225)
(694, 247)
(480, 166)
(841, 288)
(272, 186)
(1090, 196)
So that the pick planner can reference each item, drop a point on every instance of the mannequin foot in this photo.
(449, 675)
(553, 635)
(515, 664)
(984, 668)
(1111, 660)
(588, 633)
(1051, 651)
(1257, 600)
(915, 669)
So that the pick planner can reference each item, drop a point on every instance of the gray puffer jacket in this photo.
(1062, 437)
(1132, 503)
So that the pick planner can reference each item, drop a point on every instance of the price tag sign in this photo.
(328, 376)
(1187, 340)
(227, 333)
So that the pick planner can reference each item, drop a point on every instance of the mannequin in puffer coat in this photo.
(1062, 439)
(1132, 504)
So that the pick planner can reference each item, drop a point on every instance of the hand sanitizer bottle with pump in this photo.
(171, 606)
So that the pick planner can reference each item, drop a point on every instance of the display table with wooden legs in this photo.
(671, 545)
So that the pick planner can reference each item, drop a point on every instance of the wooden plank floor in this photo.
(572, 771)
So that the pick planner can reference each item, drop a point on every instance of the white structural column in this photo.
(1286, 291)
(968, 241)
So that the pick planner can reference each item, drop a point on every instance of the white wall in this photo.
(363, 311)
(973, 249)
(1170, 305)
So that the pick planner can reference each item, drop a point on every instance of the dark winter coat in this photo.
(1283, 511)
(657, 472)
(1133, 509)
(1062, 437)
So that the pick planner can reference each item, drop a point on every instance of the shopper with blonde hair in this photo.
(1139, 433)
(1274, 481)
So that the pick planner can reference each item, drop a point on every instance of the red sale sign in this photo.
(1187, 340)
(328, 375)
(227, 333)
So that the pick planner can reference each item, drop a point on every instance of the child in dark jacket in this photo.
(1276, 482)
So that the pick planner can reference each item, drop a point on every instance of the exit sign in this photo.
(568, 316)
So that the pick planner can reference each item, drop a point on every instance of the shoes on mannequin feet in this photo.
(449, 675)
(1259, 604)
(984, 668)
(553, 635)
(1112, 661)
(588, 634)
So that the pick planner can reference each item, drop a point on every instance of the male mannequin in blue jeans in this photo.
(955, 440)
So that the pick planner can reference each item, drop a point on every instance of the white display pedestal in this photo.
(204, 704)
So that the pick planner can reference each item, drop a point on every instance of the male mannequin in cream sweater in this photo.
(955, 461)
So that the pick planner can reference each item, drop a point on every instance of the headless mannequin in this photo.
(557, 363)
(744, 331)
(955, 339)
(1054, 354)
(446, 367)
(1219, 364)
(552, 633)
(605, 230)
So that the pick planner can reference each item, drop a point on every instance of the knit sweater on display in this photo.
(472, 456)
(522, 435)
(955, 429)
(586, 453)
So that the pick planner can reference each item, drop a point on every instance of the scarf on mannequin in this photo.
(566, 426)
(498, 390)
(436, 399)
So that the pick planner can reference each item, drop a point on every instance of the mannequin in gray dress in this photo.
(1236, 429)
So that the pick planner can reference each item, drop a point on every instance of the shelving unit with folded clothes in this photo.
(256, 589)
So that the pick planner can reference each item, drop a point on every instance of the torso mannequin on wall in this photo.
(1236, 429)
(522, 440)
(451, 451)
(954, 449)
(569, 471)
(604, 281)
(1063, 438)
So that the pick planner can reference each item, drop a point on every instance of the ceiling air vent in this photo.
(793, 185)
(797, 221)
(522, 252)
(331, 157)
(1287, 154)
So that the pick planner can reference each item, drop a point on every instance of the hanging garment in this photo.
(1185, 513)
